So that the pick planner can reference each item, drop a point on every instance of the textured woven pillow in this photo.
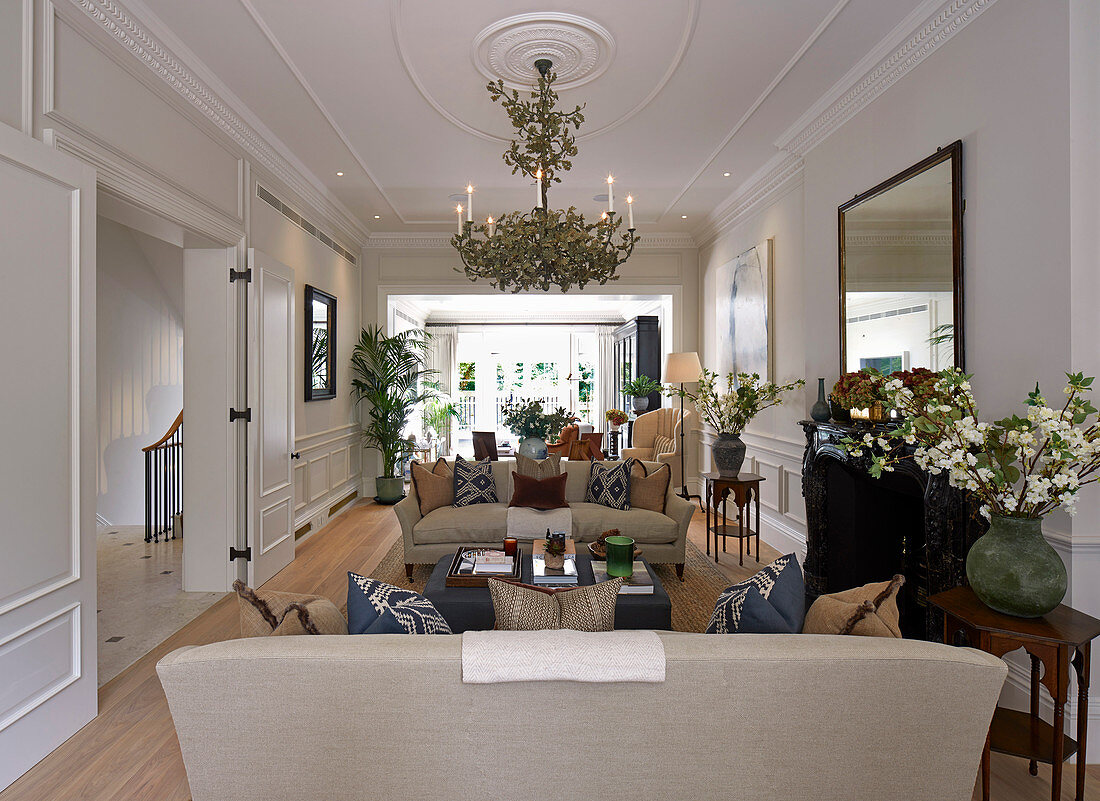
(867, 611)
(549, 493)
(609, 484)
(538, 468)
(264, 613)
(649, 490)
(474, 482)
(375, 607)
(434, 487)
(771, 602)
(522, 607)
(662, 444)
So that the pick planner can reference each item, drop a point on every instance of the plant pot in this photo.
(554, 561)
(390, 490)
(820, 410)
(640, 404)
(533, 448)
(729, 455)
(1014, 570)
(614, 426)
(839, 414)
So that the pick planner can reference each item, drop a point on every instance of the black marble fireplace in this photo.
(860, 529)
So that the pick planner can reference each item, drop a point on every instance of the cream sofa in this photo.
(387, 716)
(442, 531)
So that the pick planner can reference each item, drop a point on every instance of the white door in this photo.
(47, 473)
(271, 432)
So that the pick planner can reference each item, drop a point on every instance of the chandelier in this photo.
(542, 247)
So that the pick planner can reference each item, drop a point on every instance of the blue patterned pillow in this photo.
(474, 482)
(771, 602)
(375, 607)
(609, 484)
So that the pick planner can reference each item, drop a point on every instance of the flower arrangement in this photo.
(858, 390)
(525, 418)
(1022, 467)
(615, 416)
(745, 397)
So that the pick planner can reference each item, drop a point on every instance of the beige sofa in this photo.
(744, 716)
(643, 435)
(442, 531)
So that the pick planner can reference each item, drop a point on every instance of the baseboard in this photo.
(327, 507)
(102, 521)
(782, 536)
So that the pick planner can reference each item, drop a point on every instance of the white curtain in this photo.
(443, 357)
(605, 373)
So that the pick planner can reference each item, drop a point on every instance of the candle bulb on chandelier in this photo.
(610, 194)
(630, 212)
(469, 203)
(538, 188)
(489, 222)
(603, 216)
(458, 211)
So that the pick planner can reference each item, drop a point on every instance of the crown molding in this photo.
(928, 27)
(782, 171)
(156, 47)
(396, 241)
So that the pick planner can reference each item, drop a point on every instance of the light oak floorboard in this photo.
(130, 751)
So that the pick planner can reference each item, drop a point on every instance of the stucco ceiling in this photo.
(391, 93)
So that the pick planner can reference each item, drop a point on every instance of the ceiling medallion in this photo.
(543, 247)
(580, 49)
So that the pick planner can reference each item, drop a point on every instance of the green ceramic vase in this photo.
(1014, 570)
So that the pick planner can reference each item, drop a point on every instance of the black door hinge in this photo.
(240, 275)
(235, 553)
(236, 414)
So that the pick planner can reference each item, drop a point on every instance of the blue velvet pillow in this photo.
(474, 482)
(375, 607)
(771, 602)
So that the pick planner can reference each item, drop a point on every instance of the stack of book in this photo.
(640, 583)
(492, 563)
(565, 576)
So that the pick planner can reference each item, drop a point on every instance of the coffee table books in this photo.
(640, 583)
(473, 567)
(565, 576)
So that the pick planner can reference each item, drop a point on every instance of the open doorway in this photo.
(140, 341)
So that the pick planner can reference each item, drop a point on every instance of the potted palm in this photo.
(388, 373)
(640, 389)
(437, 415)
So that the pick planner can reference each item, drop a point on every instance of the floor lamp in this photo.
(683, 368)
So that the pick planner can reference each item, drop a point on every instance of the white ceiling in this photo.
(535, 307)
(389, 93)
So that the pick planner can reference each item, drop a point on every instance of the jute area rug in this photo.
(692, 599)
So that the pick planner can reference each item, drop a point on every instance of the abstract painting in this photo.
(743, 292)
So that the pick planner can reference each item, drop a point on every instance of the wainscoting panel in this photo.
(53, 642)
(328, 472)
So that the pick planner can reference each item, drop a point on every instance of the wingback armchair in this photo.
(656, 438)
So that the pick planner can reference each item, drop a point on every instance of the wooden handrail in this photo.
(171, 430)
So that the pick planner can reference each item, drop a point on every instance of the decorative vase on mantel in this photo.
(729, 454)
(820, 410)
(1014, 570)
(533, 448)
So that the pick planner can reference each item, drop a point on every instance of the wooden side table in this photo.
(1057, 640)
(745, 488)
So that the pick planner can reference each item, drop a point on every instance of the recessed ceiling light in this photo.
(725, 175)
(339, 174)
(683, 216)
(378, 216)
(600, 198)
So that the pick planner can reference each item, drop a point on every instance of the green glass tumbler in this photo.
(620, 557)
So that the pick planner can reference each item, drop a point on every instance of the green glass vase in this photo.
(620, 557)
(1014, 570)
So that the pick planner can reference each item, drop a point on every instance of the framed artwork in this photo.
(320, 343)
(744, 313)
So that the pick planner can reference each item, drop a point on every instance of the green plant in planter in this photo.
(388, 373)
(437, 415)
(641, 387)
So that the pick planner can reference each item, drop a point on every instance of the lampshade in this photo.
(682, 368)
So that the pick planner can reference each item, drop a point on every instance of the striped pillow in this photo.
(663, 444)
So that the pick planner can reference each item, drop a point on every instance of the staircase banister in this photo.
(168, 435)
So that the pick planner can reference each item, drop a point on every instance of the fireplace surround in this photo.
(860, 529)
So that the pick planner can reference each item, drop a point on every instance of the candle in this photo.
(538, 188)
(469, 203)
(603, 216)
(489, 222)
(458, 211)
(510, 546)
(630, 211)
(610, 194)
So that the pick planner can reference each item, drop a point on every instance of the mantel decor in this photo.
(542, 247)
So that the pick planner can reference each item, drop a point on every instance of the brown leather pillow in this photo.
(435, 487)
(264, 613)
(548, 493)
(867, 611)
(649, 490)
(522, 607)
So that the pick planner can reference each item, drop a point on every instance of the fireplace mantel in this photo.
(928, 541)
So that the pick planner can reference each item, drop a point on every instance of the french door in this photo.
(47, 473)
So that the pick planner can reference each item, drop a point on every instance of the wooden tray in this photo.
(455, 579)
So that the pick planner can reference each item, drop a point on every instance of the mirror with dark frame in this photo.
(901, 289)
(320, 344)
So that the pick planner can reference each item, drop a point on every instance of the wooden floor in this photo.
(130, 750)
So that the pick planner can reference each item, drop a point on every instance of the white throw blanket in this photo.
(492, 657)
(530, 524)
